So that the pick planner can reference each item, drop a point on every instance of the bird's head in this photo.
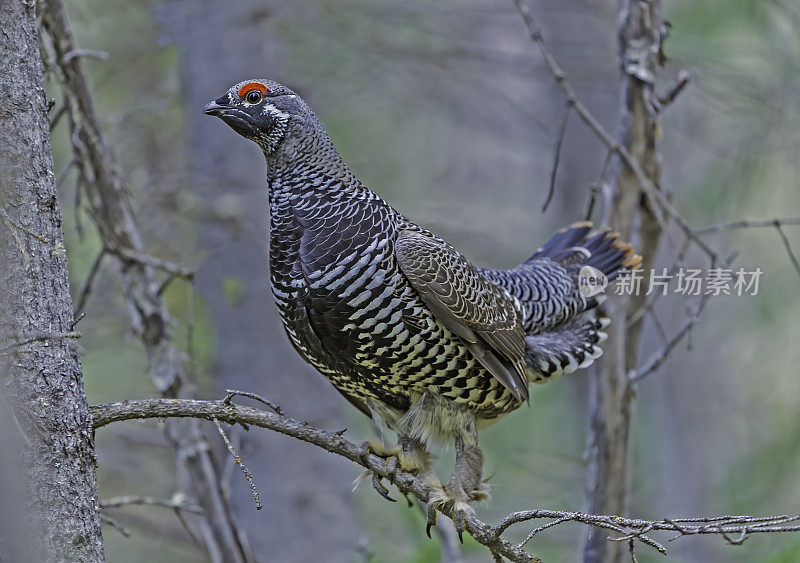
(263, 111)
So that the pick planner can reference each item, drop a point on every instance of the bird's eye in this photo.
(253, 97)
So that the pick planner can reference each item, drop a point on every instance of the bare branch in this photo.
(41, 337)
(60, 112)
(100, 179)
(333, 442)
(83, 296)
(788, 247)
(86, 54)
(562, 127)
(658, 357)
(240, 462)
(748, 224)
(635, 528)
(777, 224)
(12, 225)
(154, 262)
(734, 529)
(659, 200)
(116, 525)
(681, 81)
(177, 502)
(231, 393)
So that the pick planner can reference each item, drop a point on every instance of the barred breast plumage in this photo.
(348, 308)
(402, 324)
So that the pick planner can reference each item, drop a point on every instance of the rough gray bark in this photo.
(100, 177)
(641, 32)
(45, 412)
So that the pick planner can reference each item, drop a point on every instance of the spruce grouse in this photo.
(404, 326)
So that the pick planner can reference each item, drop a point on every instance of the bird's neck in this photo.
(308, 165)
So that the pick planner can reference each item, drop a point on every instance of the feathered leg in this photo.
(466, 484)
(410, 454)
(438, 420)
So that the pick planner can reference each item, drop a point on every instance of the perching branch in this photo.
(333, 442)
(734, 529)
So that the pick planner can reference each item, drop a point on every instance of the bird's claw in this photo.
(452, 500)
(459, 519)
(460, 523)
(383, 491)
(432, 509)
(364, 450)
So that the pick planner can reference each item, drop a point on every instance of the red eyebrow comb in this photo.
(252, 86)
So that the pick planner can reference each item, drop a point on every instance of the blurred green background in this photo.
(445, 109)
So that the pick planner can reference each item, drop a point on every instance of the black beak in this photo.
(238, 120)
(213, 108)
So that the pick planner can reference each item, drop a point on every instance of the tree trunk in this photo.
(45, 414)
(641, 32)
(112, 212)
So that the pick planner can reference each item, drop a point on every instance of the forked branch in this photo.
(734, 529)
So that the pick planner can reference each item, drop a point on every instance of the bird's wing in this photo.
(478, 311)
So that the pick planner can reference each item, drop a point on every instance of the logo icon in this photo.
(591, 281)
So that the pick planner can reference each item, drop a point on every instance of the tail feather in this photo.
(567, 345)
(563, 241)
(571, 346)
(602, 249)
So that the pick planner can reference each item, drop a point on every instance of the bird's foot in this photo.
(452, 499)
(394, 459)
(391, 455)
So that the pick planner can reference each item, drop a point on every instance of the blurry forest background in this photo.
(446, 110)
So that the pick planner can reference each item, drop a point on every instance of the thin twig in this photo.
(86, 289)
(115, 524)
(541, 528)
(240, 462)
(42, 337)
(681, 81)
(632, 550)
(153, 262)
(57, 116)
(787, 246)
(177, 502)
(64, 171)
(562, 128)
(231, 393)
(85, 54)
(11, 223)
(658, 357)
(747, 224)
